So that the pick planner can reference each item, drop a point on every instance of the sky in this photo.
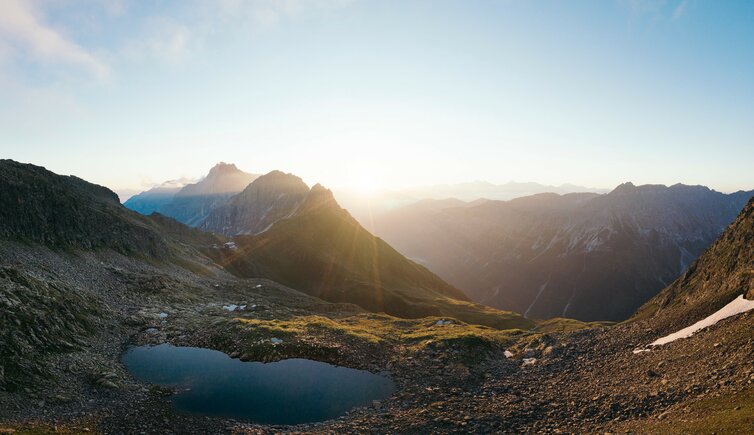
(382, 94)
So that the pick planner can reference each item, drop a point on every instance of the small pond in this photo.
(291, 391)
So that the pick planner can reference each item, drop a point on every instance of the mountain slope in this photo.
(266, 200)
(585, 256)
(40, 206)
(321, 250)
(722, 273)
(37, 205)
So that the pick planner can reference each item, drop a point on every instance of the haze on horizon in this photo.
(382, 95)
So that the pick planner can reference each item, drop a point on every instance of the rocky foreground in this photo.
(563, 376)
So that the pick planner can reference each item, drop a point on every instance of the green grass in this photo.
(729, 414)
(376, 329)
(561, 324)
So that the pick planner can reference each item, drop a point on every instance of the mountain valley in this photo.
(580, 255)
(83, 279)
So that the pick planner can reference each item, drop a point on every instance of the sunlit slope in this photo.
(323, 251)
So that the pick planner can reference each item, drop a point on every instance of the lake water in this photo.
(291, 391)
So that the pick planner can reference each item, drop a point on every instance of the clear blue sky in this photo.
(132, 93)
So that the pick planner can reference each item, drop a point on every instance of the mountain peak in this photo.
(319, 196)
(274, 182)
(223, 168)
(223, 178)
(268, 199)
(280, 175)
(627, 187)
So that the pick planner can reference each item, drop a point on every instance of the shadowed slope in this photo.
(37, 205)
(723, 272)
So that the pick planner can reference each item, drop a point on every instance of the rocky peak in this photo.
(268, 199)
(624, 188)
(223, 168)
(276, 182)
(223, 178)
(318, 197)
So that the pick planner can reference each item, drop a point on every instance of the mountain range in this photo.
(581, 255)
(82, 278)
(364, 206)
(191, 203)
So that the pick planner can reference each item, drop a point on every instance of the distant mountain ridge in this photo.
(154, 199)
(586, 256)
(364, 208)
(192, 203)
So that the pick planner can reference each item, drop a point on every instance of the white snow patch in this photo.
(163, 315)
(231, 307)
(230, 245)
(737, 306)
(274, 340)
(508, 354)
(443, 322)
(258, 286)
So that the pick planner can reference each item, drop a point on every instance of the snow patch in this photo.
(443, 322)
(274, 340)
(163, 315)
(737, 306)
(234, 307)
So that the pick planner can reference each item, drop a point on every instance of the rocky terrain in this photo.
(579, 255)
(581, 381)
(69, 311)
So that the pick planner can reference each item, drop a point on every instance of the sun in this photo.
(365, 183)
